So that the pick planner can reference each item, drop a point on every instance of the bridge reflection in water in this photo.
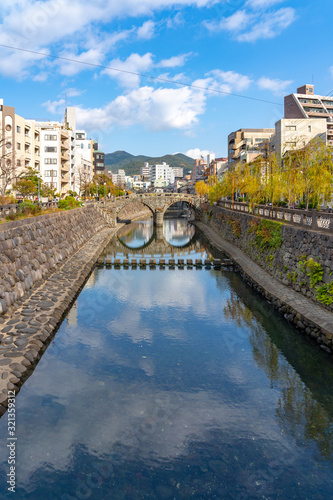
(142, 238)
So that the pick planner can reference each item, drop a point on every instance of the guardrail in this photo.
(308, 219)
(13, 208)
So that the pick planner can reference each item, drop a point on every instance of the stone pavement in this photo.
(307, 316)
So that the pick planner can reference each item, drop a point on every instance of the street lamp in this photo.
(38, 176)
(104, 194)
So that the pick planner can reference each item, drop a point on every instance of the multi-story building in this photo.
(145, 170)
(51, 148)
(305, 104)
(162, 176)
(291, 134)
(119, 178)
(19, 146)
(246, 144)
(99, 160)
(178, 172)
(199, 168)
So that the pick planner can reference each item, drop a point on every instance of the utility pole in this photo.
(52, 189)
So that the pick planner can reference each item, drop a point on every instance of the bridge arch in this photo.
(131, 201)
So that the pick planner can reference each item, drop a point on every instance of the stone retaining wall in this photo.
(31, 249)
(287, 262)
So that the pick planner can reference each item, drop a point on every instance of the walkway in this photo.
(312, 312)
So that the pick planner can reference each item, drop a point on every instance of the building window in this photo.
(8, 145)
(81, 146)
(290, 127)
(18, 129)
(48, 173)
(50, 137)
(8, 127)
(18, 146)
(49, 149)
(50, 161)
(18, 163)
(309, 128)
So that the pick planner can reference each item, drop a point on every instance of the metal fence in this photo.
(309, 219)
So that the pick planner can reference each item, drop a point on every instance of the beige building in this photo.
(305, 104)
(246, 144)
(20, 146)
(291, 134)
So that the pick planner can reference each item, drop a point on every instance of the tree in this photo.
(26, 187)
(201, 188)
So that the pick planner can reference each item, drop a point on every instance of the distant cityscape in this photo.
(66, 159)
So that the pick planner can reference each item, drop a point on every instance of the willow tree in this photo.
(201, 188)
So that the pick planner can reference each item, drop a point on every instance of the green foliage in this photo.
(315, 272)
(68, 203)
(268, 234)
(292, 276)
(285, 268)
(325, 294)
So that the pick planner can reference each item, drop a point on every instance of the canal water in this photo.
(173, 384)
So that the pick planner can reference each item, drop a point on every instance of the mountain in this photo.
(132, 164)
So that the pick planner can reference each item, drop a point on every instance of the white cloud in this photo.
(54, 107)
(127, 70)
(180, 77)
(155, 109)
(174, 61)
(251, 27)
(224, 81)
(236, 22)
(37, 25)
(72, 92)
(269, 25)
(176, 21)
(146, 31)
(262, 4)
(197, 153)
(278, 87)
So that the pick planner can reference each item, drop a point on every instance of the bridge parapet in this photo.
(158, 203)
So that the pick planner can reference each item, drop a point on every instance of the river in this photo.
(173, 383)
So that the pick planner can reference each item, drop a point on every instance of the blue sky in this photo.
(262, 49)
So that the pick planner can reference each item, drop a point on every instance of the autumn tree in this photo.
(201, 188)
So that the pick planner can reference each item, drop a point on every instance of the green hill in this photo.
(132, 164)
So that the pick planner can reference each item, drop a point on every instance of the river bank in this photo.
(26, 332)
(303, 313)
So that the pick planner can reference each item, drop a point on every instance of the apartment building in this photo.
(98, 160)
(162, 175)
(19, 144)
(246, 144)
(305, 104)
(199, 168)
(119, 178)
(291, 134)
(145, 170)
(178, 172)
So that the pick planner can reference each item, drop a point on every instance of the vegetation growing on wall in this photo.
(267, 234)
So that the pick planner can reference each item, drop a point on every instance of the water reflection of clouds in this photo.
(153, 425)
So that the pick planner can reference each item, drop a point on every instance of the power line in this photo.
(157, 78)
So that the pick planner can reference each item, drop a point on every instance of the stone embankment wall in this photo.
(31, 249)
(301, 259)
(134, 210)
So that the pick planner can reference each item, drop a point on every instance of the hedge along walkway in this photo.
(25, 335)
(305, 314)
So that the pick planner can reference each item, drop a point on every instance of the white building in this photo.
(162, 176)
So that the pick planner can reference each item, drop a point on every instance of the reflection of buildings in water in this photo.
(152, 246)
(72, 315)
(178, 229)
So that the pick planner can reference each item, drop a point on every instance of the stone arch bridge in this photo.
(157, 204)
